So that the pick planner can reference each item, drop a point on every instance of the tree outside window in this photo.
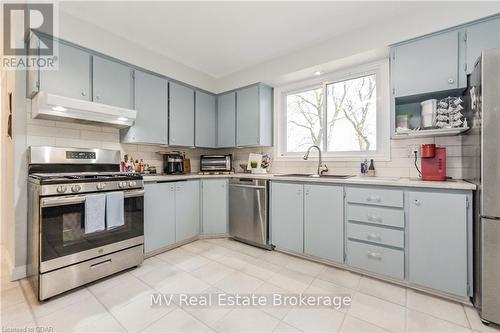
(350, 122)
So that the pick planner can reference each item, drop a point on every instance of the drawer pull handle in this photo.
(372, 218)
(374, 237)
(373, 199)
(99, 264)
(374, 255)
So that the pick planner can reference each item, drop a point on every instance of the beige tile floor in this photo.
(122, 302)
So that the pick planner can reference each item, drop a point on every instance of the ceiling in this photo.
(221, 38)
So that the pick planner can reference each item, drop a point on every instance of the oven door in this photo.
(63, 240)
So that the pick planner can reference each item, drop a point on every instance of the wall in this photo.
(364, 44)
(64, 134)
(400, 164)
(79, 32)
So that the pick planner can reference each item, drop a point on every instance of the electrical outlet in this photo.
(412, 149)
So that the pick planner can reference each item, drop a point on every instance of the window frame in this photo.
(382, 153)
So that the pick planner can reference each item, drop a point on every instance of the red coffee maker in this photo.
(433, 162)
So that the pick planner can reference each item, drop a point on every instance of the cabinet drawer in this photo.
(374, 234)
(376, 215)
(376, 259)
(371, 196)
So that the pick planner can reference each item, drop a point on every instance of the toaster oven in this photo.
(216, 163)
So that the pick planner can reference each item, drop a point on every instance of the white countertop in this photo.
(452, 184)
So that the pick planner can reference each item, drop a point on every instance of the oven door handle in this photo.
(133, 193)
(63, 201)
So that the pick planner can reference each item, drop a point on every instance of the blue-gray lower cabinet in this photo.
(181, 113)
(438, 240)
(159, 216)
(187, 209)
(151, 104)
(287, 212)
(112, 82)
(324, 221)
(214, 208)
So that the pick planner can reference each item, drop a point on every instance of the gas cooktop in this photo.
(63, 178)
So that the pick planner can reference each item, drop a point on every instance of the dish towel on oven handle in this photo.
(95, 210)
(114, 210)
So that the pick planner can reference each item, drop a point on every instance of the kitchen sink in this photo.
(314, 176)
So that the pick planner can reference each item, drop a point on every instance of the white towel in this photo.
(95, 206)
(114, 210)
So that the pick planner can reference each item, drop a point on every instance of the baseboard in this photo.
(18, 272)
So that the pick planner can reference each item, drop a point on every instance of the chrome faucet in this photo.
(321, 166)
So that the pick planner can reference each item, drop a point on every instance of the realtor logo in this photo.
(28, 30)
(31, 17)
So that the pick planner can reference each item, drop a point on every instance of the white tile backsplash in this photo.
(400, 165)
(68, 134)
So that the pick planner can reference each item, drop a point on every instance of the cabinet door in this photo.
(205, 120)
(438, 242)
(247, 116)
(159, 215)
(324, 222)
(214, 206)
(426, 65)
(481, 37)
(72, 78)
(226, 120)
(287, 227)
(187, 209)
(151, 104)
(181, 109)
(112, 83)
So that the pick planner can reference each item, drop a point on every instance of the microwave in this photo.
(216, 163)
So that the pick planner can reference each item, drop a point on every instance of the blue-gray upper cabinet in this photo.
(287, 223)
(112, 82)
(187, 209)
(214, 206)
(426, 65)
(324, 221)
(438, 246)
(480, 37)
(205, 120)
(72, 78)
(151, 104)
(226, 120)
(181, 111)
(254, 116)
(159, 212)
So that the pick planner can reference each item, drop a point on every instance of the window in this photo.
(346, 115)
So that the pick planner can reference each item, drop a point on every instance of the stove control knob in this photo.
(76, 188)
(132, 183)
(122, 184)
(61, 189)
(100, 186)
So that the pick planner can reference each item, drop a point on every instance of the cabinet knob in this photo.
(83, 93)
(451, 80)
(97, 97)
(417, 202)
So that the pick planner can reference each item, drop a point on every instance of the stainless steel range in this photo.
(86, 218)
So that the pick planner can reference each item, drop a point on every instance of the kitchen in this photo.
(350, 170)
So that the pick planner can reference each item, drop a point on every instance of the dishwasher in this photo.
(248, 211)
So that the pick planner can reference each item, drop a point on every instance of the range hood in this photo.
(54, 107)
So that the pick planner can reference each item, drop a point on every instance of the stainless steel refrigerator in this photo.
(481, 160)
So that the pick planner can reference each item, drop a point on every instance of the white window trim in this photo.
(381, 69)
